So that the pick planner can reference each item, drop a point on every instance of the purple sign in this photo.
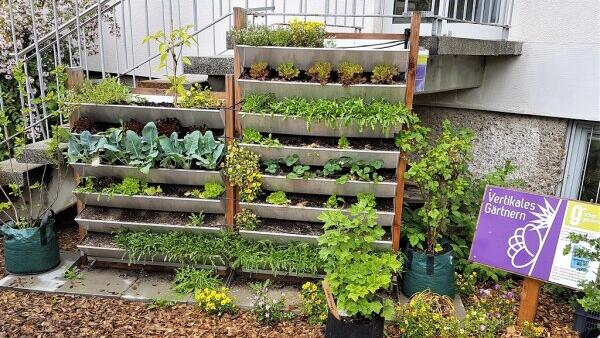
(518, 232)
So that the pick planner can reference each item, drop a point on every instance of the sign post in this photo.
(526, 234)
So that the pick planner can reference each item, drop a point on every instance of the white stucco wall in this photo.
(558, 74)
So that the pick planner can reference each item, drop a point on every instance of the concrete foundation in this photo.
(536, 145)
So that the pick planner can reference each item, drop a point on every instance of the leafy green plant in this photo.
(259, 70)
(246, 219)
(343, 143)
(297, 34)
(287, 70)
(130, 186)
(266, 310)
(299, 171)
(384, 73)
(354, 270)
(171, 45)
(333, 202)
(195, 97)
(160, 304)
(211, 190)
(84, 148)
(278, 198)
(350, 73)
(306, 33)
(373, 114)
(256, 35)
(189, 280)
(313, 304)
(320, 72)
(196, 219)
(106, 91)
(368, 198)
(440, 175)
(72, 274)
(242, 169)
(362, 170)
(253, 136)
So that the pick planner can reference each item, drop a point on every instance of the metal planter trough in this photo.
(159, 175)
(115, 113)
(157, 203)
(280, 124)
(326, 186)
(319, 156)
(304, 57)
(106, 226)
(282, 89)
(118, 255)
(284, 238)
(304, 214)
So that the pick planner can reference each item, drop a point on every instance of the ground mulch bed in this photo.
(25, 314)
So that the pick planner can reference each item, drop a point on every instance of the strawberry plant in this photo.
(384, 73)
(320, 72)
(354, 270)
(287, 70)
(259, 71)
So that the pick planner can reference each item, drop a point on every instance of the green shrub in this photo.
(198, 98)
(320, 72)
(384, 73)
(106, 91)
(242, 169)
(287, 70)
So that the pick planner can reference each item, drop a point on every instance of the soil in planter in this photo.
(334, 78)
(151, 217)
(170, 126)
(100, 240)
(388, 175)
(332, 142)
(301, 228)
(318, 201)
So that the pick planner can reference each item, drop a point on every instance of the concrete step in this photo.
(37, 152)
(190, 79)
(12, 171)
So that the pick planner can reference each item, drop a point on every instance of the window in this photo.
(582, 169)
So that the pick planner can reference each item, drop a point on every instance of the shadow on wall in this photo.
(536, 145)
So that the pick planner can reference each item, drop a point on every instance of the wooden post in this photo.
(240, 21)
(408, 102)
(75, 79)
(530, 295)
(230, 191)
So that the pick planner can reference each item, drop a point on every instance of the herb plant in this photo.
(189, 280)
(355, 271)
(278, 198)
(242, 170)
(384, 73)
(246, 220)
(350, 73)
(212, 190)
(130, 186)
(171, 45)
(253, 136)
(287, 71)
(107, 91)
(297, 34)
(343, 143)
(196, 97)
(196, 219)
(259, 70)
(320, 72)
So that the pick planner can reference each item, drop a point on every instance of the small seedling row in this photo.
(156, 203)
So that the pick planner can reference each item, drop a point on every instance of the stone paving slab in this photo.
(154, 285)
(49, 281)
(101, 282)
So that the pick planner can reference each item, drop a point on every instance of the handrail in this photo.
(52, 34)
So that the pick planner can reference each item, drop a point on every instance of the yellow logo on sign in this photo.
(585, 216)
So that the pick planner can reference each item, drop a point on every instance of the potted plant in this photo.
(441, 174)
(586, 251)
(356, 272)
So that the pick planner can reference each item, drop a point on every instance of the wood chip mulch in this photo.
(24, 314)
(557, 319)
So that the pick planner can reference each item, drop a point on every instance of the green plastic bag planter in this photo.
(428, 272)
(30, 250)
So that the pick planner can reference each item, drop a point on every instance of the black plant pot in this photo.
(31, 250)
(586, 323)
(348, 328)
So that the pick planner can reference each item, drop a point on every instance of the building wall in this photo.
(536, 145)
(558, 74)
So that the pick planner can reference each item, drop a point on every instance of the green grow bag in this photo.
(428, 272)
(30, 250)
